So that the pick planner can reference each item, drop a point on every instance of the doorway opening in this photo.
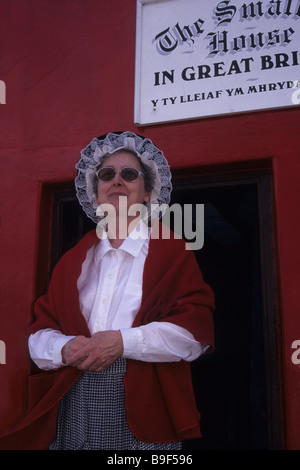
(237, 387)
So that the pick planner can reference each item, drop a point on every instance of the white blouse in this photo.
(110, 294)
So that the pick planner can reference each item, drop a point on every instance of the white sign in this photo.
(199, 58)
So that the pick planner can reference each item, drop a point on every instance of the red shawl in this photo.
(160, 401)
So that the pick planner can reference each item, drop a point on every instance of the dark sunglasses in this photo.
(127, 173)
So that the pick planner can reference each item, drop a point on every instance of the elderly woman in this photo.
(124, 315)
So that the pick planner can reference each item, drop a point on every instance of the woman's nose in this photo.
(117, 179)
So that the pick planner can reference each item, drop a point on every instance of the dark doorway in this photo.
(237, 387)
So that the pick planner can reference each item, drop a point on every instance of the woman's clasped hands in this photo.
(94, 353)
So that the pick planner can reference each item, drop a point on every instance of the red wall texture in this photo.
(68, 66)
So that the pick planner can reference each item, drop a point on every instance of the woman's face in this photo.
(110, 191)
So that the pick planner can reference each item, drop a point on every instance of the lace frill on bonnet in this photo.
(150, 155)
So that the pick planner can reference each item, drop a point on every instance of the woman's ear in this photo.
(147, 197)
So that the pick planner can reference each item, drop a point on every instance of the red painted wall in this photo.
(69, 73)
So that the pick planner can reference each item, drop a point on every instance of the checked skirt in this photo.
(92, 415)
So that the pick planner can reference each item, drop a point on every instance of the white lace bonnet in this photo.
(92, 157)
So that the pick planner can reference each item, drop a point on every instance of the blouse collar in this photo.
(133, 244)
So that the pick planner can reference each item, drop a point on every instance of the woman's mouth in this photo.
(117, 194)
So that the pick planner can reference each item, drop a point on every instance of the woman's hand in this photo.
(72, 346)
(95, 353)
